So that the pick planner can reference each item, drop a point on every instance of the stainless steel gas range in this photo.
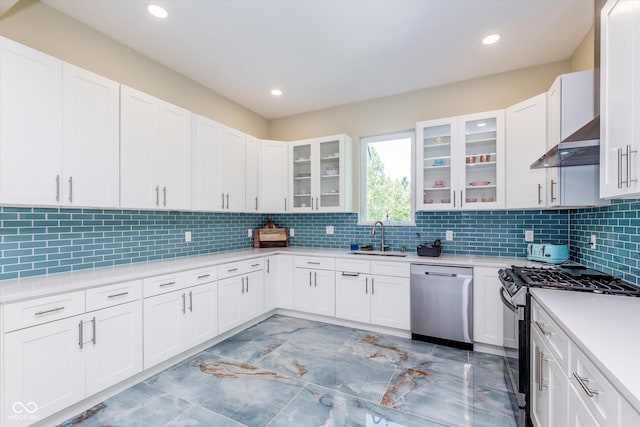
(516, 282)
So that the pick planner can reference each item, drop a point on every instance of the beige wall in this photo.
(44, 28)
(582, 58)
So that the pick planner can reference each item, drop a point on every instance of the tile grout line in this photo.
(287, 405)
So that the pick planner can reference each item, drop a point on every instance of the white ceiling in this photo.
(324, 53)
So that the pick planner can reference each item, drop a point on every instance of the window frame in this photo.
(362, 215)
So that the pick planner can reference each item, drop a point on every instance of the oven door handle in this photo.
(506, 302)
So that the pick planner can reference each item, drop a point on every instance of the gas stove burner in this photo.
(575, 279)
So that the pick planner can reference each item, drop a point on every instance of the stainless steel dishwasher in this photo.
(442, 304)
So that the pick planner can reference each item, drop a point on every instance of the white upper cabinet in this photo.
(232, 171)
(460, 162)
(526, 140)
(90, 139)
(320, 174)
(31, 126)
(252, 174)
(620, 99)
(155, 139)
(274, 176)
(205, 176)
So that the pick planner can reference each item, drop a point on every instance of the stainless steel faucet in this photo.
(373, 233)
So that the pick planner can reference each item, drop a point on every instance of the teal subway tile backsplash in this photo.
(617, 231)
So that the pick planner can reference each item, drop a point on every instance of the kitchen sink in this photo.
(379, 253)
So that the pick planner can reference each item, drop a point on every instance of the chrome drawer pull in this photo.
(53, 310)
(167, 284)
(204, 276)
(583, 383)
(313, 263)
(255, 265)
(121, 294)
(231, 270)
(344, 273)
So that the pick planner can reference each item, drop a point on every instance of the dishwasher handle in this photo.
(461, 276)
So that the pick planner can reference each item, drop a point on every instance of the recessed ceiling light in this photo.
(157, 11)
(276, 92)
(491, 39)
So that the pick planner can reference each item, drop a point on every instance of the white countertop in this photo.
(38, 286)
(605, 327)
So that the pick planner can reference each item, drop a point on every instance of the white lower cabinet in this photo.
(278, 282)
(548, 386)
(373, 298)
(579, 415)
(51, 366)
(240, 297)
(314, 291)
(487, 307)
(177, 321)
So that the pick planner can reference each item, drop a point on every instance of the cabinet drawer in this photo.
(241, 267)
(314, 262)
(386, 268)
(162, 284)
(555, 339)
(603, 401)
(42, 310)
(353, 266)
(254, 264)
(202, 275)
(107, 296)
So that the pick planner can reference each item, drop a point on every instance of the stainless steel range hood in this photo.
(578, 149)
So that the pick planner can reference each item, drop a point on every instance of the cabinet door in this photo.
(353, 297)
(232, 169)
(435, 164)
(31, 131)
(138, 134)
(274, 176)
(303, 290)
(526, 135)
(285, 281)
(90, 139)
(230, 300)
(330, 193)
(481, 177)
(205, 157)
(557, 384)
(579, 414)
(325, 292)
(163, 317)
(487, 307)
(253, 301)
(252, 175)
(201, 317)
(172, 154)
(115, 350)
(300, 177)
(619, 70)
(43, 368)
(539, 390)
(270, 282)
(390, 302)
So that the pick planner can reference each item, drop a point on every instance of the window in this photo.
(387, 178)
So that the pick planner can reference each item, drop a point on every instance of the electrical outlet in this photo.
(187, 236)
(250, 232)
(448, 236)
(329, 229)
(593, 241)
(292, 232)
(528, 235)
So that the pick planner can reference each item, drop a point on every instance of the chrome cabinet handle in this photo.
(157, 195)
(309, 278)
(317, 204)
(57, 188)
(242, 285)
(53, 310)
(256, 203)
(222, 200)
(121, 294)
(345, 273)
(315, 279)
(553, 197)
(461, 198)
(227, 200)
(454, 198)
(204, 276)
(285, 204)
(312, 203)
(93, 327)
(366, 285)
(539, 194)
(539, 369)
(80, 337)
(190, 301)
(372, 290)
(162, 285)
(184, 304)
(247, 284)
(268, 269)
(70, 189)
(619, 167)
(583, 383)
(628, 179)
(164, 196)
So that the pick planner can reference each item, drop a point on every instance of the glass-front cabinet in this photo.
(320, 176)
(460, 162)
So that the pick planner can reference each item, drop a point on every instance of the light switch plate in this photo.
(593, 241)
(448, 235)
(250, 232)
(528, 235)
(330, 229)
(292, 232)
(187, 236)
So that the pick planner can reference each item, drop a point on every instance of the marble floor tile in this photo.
(492, 408)
(387, 348)
(317, 406)
(199, 416)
